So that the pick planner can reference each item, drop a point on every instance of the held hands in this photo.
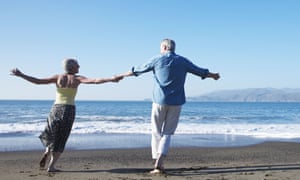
(119, 77)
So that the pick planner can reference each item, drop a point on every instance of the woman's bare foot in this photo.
(43, 160)
(53, 170)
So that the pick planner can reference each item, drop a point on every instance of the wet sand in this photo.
(269, 160)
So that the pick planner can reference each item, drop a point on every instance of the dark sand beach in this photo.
(269, 160)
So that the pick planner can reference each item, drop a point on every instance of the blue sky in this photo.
(251, 43)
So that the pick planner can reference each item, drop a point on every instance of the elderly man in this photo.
(170, 70)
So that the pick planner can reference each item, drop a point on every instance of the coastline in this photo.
(268, 160)
(129, 141)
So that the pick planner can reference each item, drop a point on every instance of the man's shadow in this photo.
(198, 170)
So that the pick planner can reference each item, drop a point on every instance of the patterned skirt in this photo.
(59, 125)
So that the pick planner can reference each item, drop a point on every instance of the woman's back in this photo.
(67, 81)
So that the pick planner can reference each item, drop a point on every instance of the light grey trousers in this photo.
(164, 121)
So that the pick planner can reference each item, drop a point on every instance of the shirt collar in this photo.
(168, 53)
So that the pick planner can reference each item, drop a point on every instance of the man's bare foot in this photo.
(157, 171)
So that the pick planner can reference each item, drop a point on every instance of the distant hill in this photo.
(251, 95)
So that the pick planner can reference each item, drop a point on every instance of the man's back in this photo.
(170, 72)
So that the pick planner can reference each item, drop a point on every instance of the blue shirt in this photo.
(170, 72)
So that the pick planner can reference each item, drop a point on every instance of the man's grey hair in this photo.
(170, 44)
(69, 64)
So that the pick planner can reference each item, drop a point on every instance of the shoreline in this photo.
(268, 160)
(128, 141)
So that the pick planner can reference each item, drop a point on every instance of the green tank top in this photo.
(65, 96)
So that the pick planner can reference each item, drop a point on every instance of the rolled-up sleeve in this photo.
(194, 69)
(138, 70)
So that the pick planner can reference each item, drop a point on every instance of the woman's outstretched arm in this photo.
(34, 80)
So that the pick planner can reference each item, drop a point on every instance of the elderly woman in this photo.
(62, 114)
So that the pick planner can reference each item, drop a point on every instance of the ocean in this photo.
(126, 124)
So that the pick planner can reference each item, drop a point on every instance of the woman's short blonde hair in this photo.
(69, 64)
